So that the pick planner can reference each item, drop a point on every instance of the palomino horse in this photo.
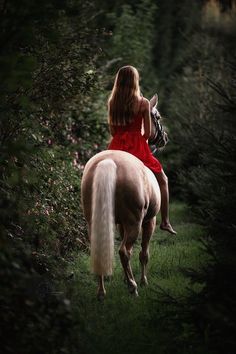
(118, 189)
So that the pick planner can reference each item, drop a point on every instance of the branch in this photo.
(220, 90)
(110, 63)
(171, 298)
(209, 132)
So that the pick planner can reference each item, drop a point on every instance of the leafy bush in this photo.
(49, 79)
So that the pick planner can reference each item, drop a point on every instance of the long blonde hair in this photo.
(123, 95)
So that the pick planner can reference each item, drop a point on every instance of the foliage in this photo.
(203, 103)
(34, 317)
(49, 55)
(138, 25)
(42, 109)
(218, 212)
(130, 32)
(58, 60)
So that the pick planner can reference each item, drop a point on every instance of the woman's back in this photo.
(130, 139)
(136, 123)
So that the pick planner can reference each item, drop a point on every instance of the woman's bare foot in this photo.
(167, 227)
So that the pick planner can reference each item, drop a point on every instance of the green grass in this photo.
(154, 322)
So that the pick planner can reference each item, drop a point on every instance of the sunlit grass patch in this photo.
(168, 254)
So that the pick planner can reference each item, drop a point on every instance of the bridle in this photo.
(159, 137)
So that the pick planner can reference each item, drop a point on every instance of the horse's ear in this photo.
(154, 101)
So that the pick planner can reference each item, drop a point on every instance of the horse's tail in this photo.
(102, 226)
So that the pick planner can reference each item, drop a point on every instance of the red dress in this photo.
(129, 138)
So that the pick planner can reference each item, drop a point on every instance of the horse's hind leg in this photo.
(148, 228)
(123, 249)
(125, 252)
(101, 288)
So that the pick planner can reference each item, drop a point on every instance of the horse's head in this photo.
(158, 138)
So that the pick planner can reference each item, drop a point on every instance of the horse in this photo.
(118, 189)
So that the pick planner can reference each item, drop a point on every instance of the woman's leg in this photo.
(163, 183)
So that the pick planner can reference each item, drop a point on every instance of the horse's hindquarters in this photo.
(154, 194)
(117, 187)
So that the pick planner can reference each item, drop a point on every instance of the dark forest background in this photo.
(58, 59)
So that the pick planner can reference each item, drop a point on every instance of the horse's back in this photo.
(134, 187)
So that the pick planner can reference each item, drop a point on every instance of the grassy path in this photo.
(156, 321)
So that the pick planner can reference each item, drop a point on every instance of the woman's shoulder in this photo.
(141, 105)
(144, 102)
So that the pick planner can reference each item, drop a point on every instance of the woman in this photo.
(127, 110)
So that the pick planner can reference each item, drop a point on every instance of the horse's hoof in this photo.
(101, 297)
(133, 289)
(143, 282)
(133, 292)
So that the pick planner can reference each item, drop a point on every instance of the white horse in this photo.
(117, 188)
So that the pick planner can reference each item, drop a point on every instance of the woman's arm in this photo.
(146, 119)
